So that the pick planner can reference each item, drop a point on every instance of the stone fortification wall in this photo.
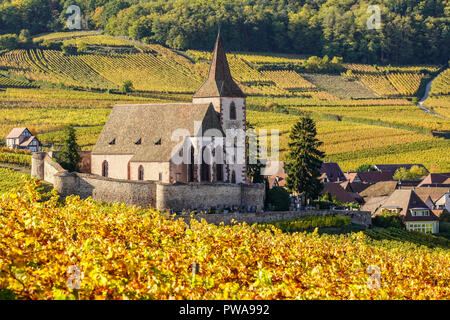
(206, 195)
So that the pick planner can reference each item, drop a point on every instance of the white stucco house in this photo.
(21, 138)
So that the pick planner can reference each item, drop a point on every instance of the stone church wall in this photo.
(138, 193)
(206, 195)
(145, 193)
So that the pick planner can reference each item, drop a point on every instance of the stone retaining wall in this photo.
(357, 217)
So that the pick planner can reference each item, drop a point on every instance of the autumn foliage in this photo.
(131, 253)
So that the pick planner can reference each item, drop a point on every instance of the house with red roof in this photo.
(436, 180)
(370, 176)
(21, 138)
(331, 172)
(416, 215)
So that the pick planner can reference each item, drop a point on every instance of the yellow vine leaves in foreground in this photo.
(131, 253)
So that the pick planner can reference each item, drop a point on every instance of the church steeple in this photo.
(219, 82)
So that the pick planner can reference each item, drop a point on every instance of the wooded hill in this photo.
(412, 31)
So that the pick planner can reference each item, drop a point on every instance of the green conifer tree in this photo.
(69, 157)
(304, 160)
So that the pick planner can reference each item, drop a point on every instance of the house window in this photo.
(105, 168)
(141, 173)
(232, 111)
(421, 227)
(160, 176)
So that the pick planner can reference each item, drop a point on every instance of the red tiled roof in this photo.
(15, 133)
(376, 176)
(27, 141)
(332, 171)
(337, 191)
(395, 167)
(277, 181)
(439, 212)
(435, 178)
(434, 193)
(406, 200)
(382, 188)
(356, 187)
(351, 175)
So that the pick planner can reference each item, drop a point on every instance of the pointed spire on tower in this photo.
(219, 82)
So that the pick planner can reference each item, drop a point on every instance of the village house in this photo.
(436, 180)
(369, 176)
(21, 138)
(275, 174)
(337, 191)
(416, 215)
(179, 142)
(331, 172)
(430, 195)
(395, 167)
(443, 202)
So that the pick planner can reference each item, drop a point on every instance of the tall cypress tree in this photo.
(304, 159)
(69, 157)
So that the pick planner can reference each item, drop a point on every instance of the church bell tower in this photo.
(229, 102)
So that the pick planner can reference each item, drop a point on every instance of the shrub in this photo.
(445, 217)
(365, 168)
(8, 41)
(68, 49)
(310, 222)
(444, 227)
(387, 219)
(278, 199)
(414, 173)
(51, 45)
(127, 86)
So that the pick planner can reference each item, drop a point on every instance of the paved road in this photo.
(425, 96)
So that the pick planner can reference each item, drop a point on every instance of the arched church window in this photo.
(141, 173)
(191, 164)
(232, 111)
(105, 168)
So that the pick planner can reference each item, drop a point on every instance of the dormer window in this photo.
(138, 142)
(158, 143)
(112, 142)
